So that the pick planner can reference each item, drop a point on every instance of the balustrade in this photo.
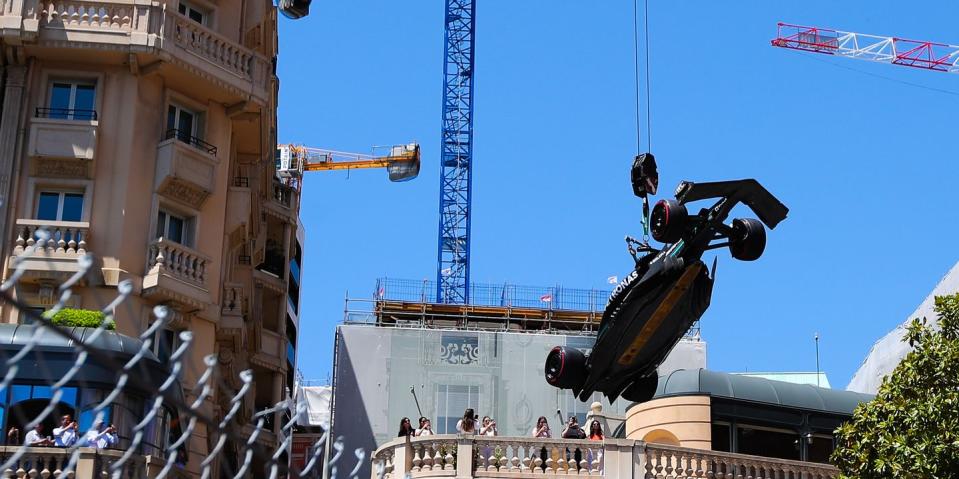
(178, 261)
(520, 457)
(60, 237)
(669, 462)
(105, 16)
(225, 53)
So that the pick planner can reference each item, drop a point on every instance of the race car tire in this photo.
(565, 367)
(668, 221)
(748, 240)
(643, 389)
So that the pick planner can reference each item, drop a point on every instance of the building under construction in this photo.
(401, 354)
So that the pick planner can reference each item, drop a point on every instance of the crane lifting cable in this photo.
(645, 176)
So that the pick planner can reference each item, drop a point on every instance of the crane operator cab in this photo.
(294, 9)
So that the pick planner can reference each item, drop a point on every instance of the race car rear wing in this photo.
(769, 209)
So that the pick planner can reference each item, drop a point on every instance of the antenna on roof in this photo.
(816, 337)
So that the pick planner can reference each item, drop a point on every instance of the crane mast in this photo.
(456, 157)
(897, 51)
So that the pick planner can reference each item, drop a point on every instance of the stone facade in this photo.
(143, 132)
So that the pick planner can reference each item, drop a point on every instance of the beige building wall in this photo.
(225, 276)
(678, 421)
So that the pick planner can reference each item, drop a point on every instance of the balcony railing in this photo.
(518, 457)
(283, 194)
(49, 461)
(66, 114)
(178, 261)
(193, 141)
(62, 237)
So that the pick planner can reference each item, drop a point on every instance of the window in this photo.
(173, 227)
(165, 344)
(182, 123)
(71, 100)
(720, 437)
(819, 448)
(451, 402)
(759, 441)
(192, 13)
(25, 314)
(59, 206)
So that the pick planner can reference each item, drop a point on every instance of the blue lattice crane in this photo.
(456, 158)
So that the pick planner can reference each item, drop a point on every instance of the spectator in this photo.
(406, 429)
(572, 430)
(101, 437)
(35, 438)
(467, 425)
(426, 429)
(542, 428)
(66, 434)
(13, 436)
(595, 431)
(489, 427)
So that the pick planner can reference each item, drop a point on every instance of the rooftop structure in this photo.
(812, 378)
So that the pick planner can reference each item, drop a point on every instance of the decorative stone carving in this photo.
(459, 349)
(184, 192)
(61, 168)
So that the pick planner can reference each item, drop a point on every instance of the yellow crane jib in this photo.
(402, 162)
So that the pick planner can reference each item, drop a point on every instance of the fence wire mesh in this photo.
(156, 440)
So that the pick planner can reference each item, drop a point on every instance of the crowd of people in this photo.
(102, 436)
(487, 427)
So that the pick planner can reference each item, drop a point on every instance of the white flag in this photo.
(612, 280)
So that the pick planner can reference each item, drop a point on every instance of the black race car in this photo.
(670, 288)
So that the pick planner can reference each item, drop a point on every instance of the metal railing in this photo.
(66, 114)
(193, 141)
(499, 295)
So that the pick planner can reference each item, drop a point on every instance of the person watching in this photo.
(572, 430)
(66, 434)
(426, 429)
(35, 437)
(595, 431)
(101, 436)
(406, 428)
(467, 425)
(13, 436)
(489, 427)
(542, 428)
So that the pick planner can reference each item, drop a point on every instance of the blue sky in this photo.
(860, 152)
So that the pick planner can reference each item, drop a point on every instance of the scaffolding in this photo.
(497, 307)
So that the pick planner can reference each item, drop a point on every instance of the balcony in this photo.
(271, 351)
(176, 273)
(185, 169)
(91, 463)
(141, 28)
(464, 456)
(283, 204)
(55, 257)
(64, 134)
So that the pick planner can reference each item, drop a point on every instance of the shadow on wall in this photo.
(661, 436)
(350, 419)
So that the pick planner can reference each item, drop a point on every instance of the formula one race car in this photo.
(670, 288)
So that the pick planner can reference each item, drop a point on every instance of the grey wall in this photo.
(497, 374)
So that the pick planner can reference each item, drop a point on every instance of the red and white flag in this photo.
(546, 298)
(381, 292)
(612, 280)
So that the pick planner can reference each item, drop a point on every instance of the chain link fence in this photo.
(49, 372)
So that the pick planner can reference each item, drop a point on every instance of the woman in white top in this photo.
(425, 428)
(542, 428)
(489, 427)
(467, 425)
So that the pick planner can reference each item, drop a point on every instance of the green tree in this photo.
(911, 429)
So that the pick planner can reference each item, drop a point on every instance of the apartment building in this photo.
(143, 132)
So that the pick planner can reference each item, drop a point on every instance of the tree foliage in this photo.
(81, 318)
(911, 428)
